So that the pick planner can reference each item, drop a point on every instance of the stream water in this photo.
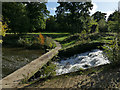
(84, 60)
(14, 58)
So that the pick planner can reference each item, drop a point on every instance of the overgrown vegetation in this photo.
(3, 29)
(47, 71)
(113, 52)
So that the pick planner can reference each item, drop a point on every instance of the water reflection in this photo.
(14, 58)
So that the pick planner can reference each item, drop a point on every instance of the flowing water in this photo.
(84, 60)
(14, 58)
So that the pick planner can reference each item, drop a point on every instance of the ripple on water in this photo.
(15, 58)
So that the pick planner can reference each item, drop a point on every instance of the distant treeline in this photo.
(72, 17)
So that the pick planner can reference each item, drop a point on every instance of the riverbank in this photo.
(98, 77)
(28, 41)
(95, 77)
(14, 58)
(71, 45)
(15, 79)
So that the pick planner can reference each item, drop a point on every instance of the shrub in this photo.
(113, 52)
(49, 43)
(41, 39)
(48, 70)
(32, 41)
(3, 29)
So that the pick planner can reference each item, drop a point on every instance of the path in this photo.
(13, 80)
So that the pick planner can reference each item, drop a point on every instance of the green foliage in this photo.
(83, 37)
(3, 29)
(15, 15)
(113, 26)
(26, 41)
(37, 12)
(24, 17)
(52, 25)
(99, 15)
(48, 70)
(21, 25)
(72, 16)
(113, 17)
(93, 26)
(114, 22)
(102, 25)
(113, 51)
(49, 43)
(29, 41)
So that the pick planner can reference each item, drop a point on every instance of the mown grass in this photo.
(66, 40)
(69, 41)
(41, 33)
(59, 39)
(68, 44)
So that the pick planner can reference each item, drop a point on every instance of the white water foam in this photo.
(84, 60)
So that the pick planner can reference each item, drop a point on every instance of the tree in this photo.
(15, 15)
(25, 17)
(93, 26)
(102, 25)
(114, 22)
(51, 25)
(74, 15)
(37, 13)
(112, 17)
(99, 15)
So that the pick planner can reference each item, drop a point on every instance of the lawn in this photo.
(65, 39)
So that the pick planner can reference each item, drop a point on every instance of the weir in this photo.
(13, 80)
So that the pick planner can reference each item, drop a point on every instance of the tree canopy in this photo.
(15, 15)
(99, 15)
(24, 17)
(37, 13)
(73, 15)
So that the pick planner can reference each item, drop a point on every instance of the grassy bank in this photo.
(97, 77)
(77, 43)
(29, 41)
(93, 77)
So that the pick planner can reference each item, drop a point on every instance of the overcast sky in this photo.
(105, 6)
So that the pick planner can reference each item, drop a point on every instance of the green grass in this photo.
(103, 38)
(42, 33)
(68, 44)
(54, 33)
(60, 38)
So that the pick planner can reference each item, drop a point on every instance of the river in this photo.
(85, 60)
(14, 58)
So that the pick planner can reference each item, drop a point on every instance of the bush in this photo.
(32, 41)
(49, 43)
(36, 41)
(48, 70)
(113, 52)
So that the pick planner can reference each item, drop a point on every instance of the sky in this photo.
(105, 6)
